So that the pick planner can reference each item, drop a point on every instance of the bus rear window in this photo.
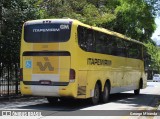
(43, 33)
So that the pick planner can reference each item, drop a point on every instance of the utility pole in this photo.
(1, 23)
(1, 5)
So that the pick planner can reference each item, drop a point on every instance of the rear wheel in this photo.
(52, 100)
(105, 94)
(95, 98)
(137, 91)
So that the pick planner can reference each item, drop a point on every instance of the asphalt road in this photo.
(118, 104)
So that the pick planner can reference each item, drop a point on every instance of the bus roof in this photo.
(108, 32)
(48, 21)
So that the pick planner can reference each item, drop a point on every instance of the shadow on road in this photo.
(120, 98)
(136, 100)
(60, 106)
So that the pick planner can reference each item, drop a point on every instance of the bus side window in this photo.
(100, 42)
(133, 51)
(113, 47)
(86, 39)
(90, 41)
(140, 50)
(121, 51)
(82, 32)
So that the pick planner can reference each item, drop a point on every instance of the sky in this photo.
(155, 36)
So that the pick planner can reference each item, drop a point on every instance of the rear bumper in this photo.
(51, 84)
(57, 89)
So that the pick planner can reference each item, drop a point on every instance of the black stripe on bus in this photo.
(46, 53)
(51, 84)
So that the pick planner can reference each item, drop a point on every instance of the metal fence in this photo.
(9, 81)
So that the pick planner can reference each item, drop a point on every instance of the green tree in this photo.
(134, 18)
(82, 10)
(154, 53)
(13, 14)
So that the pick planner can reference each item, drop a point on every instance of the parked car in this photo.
(156, 77)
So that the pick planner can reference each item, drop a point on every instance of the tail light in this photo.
(21, 74)
(72, 75)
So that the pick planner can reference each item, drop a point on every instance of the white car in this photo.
(156, 77)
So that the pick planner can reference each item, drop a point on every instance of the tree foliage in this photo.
(154, 59)
(133, 18)
(13, 14)
(93, 13)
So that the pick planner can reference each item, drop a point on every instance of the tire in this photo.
(95, 98)
(52, 100)
(105, 94)
(137, 92)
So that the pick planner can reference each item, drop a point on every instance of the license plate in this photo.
(45, 82)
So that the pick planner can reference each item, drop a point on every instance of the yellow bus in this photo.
(64, 58)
